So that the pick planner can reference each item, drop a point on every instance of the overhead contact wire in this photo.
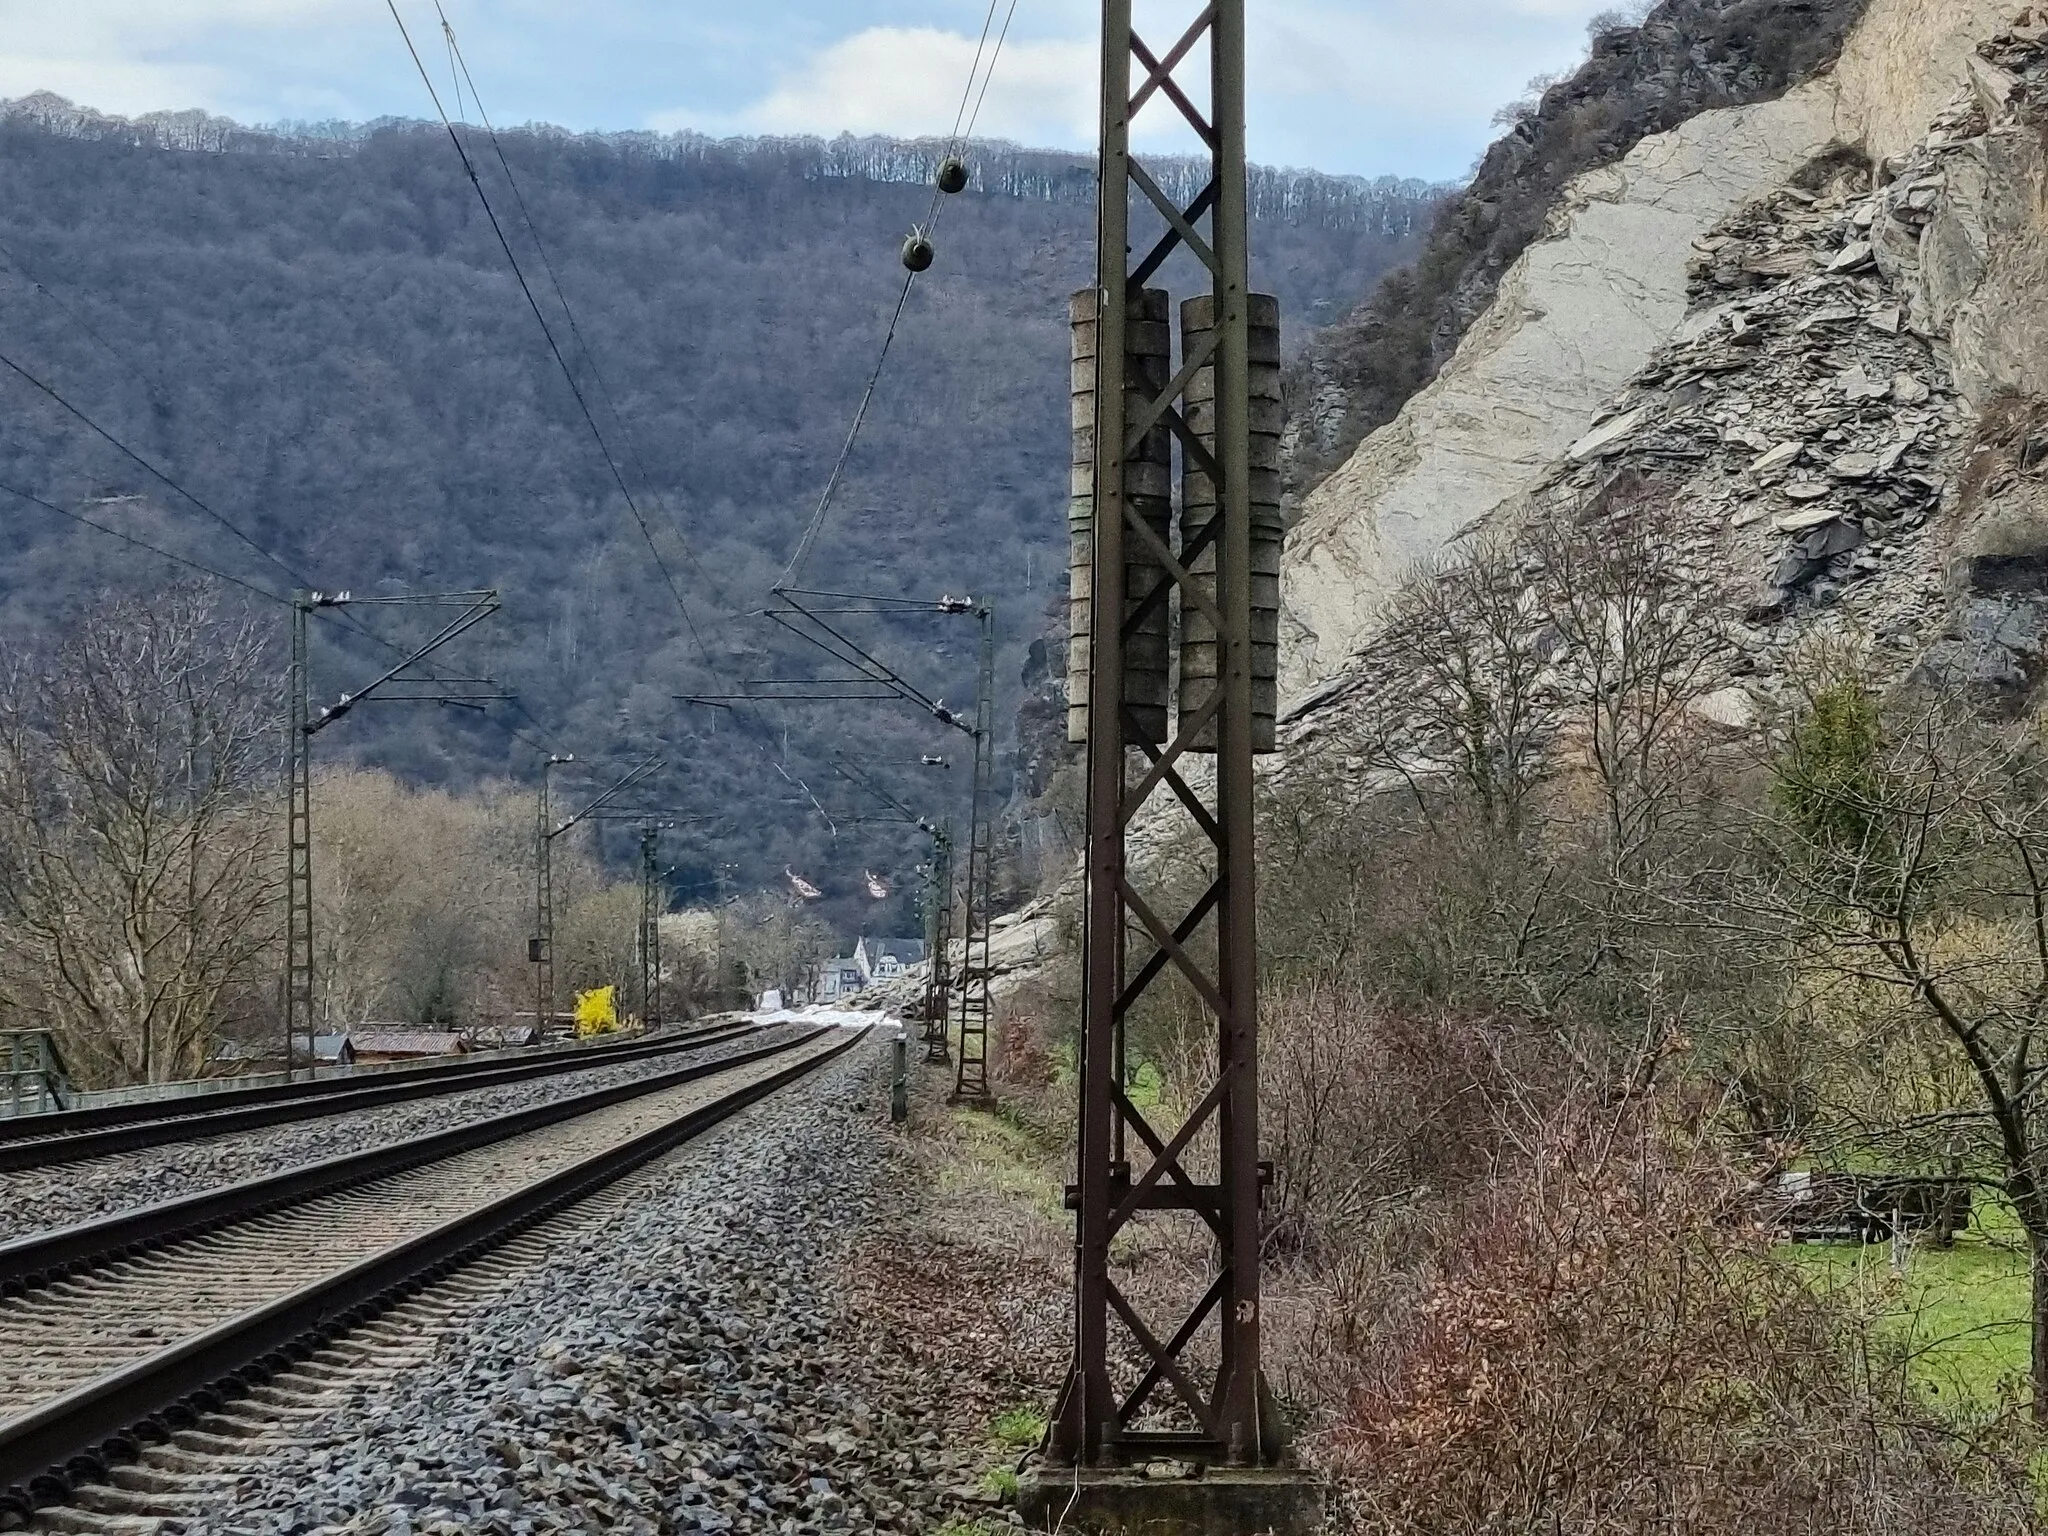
(954, 143)
(158, 474)
(554, 347)
(547, 332)
(143, 544)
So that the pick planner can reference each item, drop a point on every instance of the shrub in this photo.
(1604, 1347)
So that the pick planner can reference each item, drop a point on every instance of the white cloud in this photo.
(910, 80)
(134, 56)
(1356, 85)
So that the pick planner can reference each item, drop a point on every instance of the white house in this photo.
(840, 977)
(886, 959)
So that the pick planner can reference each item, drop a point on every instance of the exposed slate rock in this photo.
(1688, 56)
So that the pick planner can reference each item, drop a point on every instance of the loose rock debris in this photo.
(687, 1365)
(1805, 423)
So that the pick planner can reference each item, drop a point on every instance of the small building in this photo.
(375, 1044)
(886, 959)
(32, 1078)
(334, 1051)
(242, 1056)
(840, 977)
(504, 1037)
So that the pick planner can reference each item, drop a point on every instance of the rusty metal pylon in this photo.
(1197, 1392)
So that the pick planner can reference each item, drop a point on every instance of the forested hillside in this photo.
(317, 334)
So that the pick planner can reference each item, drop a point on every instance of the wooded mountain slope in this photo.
(319, 335)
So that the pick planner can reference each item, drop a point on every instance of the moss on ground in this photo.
(1002, 1155)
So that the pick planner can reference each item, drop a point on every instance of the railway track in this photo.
(125, 1330)
(69, 1136)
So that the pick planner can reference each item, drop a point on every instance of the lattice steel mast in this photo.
(303, 723)
(651, 906)
(1199, 1394)
(298, 941)
(541, 948)
(970, 1078)
(938, 1007)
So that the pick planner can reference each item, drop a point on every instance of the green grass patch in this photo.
(972, 1528)
(1020, 1428)
(1961, 1313)
(1001, 1483)
(1145, 1086)
(1144, 1081)
(1003, 1154)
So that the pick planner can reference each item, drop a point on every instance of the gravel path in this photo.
(686, 1364)
(36, 1200)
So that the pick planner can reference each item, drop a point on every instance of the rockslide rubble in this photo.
(1807, 422)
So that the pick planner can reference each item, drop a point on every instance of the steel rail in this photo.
(41, 1258)
(278, 1104)
(74, 1437)
(91, 1117)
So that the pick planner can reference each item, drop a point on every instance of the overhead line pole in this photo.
(938, 1009)
(541, 950)
(650, 925)
(970, 1078)
(1179, 1377)
(303, 723)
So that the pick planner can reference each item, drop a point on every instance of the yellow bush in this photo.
(597, 1012)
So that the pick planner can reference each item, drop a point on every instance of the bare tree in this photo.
(1462, 646)
(775, 944)
(137, 832)
(1637, 633)
(1908, 862)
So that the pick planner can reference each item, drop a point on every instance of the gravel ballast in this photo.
(689, 1363)
(39, 1199)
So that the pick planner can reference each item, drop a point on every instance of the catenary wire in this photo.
(341, 617)
(75, 317)
(1001, 38)
(547, 331)
(335, 616)
(837, 476)
(143, 544)
(589, 355)
(554, 348)
(147, 466)
(460, 63)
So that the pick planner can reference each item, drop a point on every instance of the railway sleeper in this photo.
(176, 1460)
(106, 1499)
(70, 1518)
(153, 1475)
(190, 1424)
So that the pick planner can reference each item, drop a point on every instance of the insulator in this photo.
(1199, 646)
(917, 251)
(952, 175)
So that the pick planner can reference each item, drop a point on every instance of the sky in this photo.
(1367, 87)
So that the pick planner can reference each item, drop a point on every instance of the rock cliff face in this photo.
(1686, 57)
(1863, 257)
(1837, 401)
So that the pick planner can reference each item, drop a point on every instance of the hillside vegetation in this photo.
(318, 334)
